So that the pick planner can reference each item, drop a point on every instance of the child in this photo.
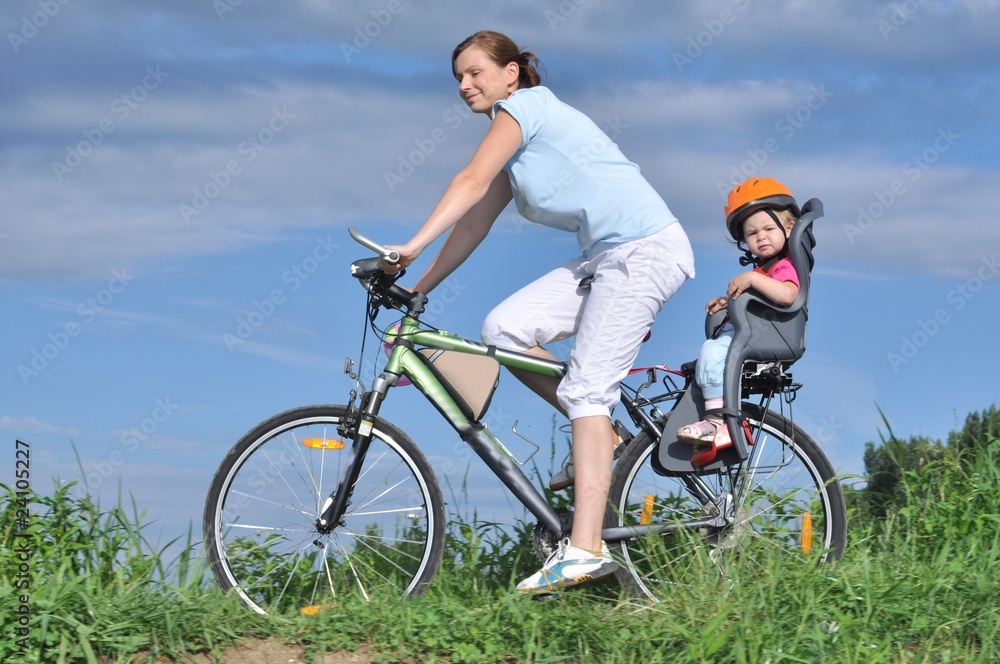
(760, 214)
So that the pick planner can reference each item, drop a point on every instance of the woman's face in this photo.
(481, 82)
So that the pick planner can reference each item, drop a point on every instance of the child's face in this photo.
(764, 236)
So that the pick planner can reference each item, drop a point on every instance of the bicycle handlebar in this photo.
(381, 284)
(388, 255)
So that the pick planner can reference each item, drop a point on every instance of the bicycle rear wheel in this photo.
(262, 508)
(784, 500)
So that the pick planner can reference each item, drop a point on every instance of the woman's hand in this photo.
(716, 304)
(407, 255)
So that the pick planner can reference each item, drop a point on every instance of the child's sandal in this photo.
(700, 433)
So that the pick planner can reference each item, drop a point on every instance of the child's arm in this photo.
(781, 293)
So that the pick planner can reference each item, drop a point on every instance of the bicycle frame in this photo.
(384, 524)
(404, 361)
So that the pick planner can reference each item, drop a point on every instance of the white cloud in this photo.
(28, 425)
(240, 137)
(284, 355)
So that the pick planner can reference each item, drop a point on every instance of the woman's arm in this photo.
(482, 180)
(468, 232)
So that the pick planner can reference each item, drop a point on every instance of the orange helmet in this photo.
(754, 194)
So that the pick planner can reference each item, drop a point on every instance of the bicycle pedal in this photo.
(546, 597)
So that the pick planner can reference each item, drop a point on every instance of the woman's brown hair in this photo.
(502, 50)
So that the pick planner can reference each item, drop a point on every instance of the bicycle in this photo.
(324, 500)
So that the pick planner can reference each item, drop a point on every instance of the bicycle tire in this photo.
(786, 498)
(261, 511)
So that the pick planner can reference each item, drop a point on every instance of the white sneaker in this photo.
(569, 566)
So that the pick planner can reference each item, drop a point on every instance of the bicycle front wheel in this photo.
(260, 521)
(783, 500)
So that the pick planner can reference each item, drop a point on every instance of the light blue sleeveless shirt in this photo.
(568, 174)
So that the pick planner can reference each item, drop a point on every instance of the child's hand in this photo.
(740, 283)
(716, 304)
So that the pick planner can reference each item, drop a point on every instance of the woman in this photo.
(564, 172)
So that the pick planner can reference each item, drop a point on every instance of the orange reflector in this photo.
(807, 533)
(647, 510)
(323, 443)
(314, 609)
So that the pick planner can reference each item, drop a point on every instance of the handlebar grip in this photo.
(388, 255)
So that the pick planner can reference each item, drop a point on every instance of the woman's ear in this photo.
(513, 73)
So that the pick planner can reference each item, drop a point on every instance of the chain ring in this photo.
(544, 541)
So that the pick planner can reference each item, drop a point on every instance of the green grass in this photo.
(920, 585)
(97, 587)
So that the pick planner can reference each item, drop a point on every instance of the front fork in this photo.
(332, 513)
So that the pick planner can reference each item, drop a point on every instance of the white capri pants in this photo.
(610, 319)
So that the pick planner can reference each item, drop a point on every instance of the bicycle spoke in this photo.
(262, 536)
(270, 502)
(784, 484)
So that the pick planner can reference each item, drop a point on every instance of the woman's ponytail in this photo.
(529, 76)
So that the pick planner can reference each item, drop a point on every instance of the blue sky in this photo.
(178, 179)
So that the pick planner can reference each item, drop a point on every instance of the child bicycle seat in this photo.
(763, 332)
(766, 332)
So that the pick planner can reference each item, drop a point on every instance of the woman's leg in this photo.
(593, 452)
(631, 284)
(544, 311)
(543, 386)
